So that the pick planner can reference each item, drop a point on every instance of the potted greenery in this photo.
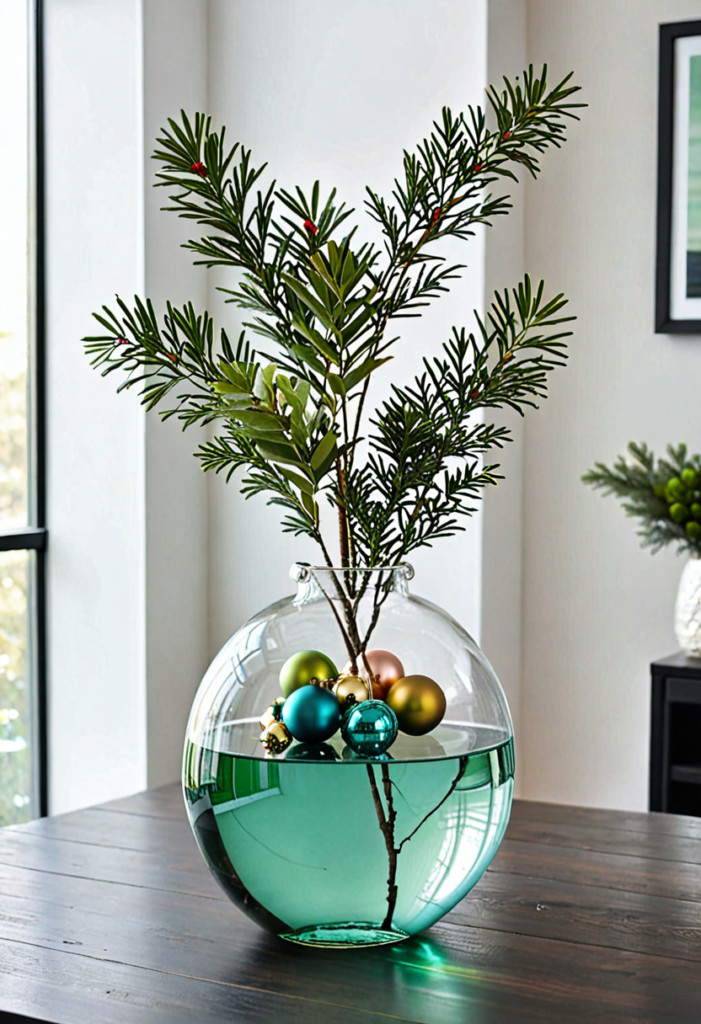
(664, 495)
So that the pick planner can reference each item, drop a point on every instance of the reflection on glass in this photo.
(16, 711)
(14, 263)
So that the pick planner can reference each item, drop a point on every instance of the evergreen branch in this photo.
(177, 358)
(663, 494)
(289, 418)
(232, 451)
(269, 417)
(408, 495)
(443, 188)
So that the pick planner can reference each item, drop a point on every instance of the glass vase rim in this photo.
(301, 572)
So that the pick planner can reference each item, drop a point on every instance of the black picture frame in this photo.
(665, 323)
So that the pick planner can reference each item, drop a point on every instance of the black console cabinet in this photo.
(675, 735)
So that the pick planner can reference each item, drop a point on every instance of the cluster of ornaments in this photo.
(683, 496)
(317, 701)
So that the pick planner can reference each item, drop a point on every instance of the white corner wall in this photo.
(95, 440)
(175, 37)
(336, 91)
(597, 609)
(126, 501)
(502, 512)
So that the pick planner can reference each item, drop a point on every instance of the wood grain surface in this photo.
(109, 916)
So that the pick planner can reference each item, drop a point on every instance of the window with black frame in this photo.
(22, 532)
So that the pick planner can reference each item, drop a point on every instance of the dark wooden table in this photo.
(109, 915)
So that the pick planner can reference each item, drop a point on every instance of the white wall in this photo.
(126, 501)
(337, 91)
(502, 513)
(597, 609)
(94, 237)
(175, 37)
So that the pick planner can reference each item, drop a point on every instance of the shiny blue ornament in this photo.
(370, 727)
(312, 714)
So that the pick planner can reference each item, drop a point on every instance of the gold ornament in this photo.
(350, 690)
(272, 713)
(276, 738)
(418, 702)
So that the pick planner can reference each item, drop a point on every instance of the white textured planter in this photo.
(687, 614)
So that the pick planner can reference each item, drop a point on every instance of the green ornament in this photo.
(679, 513)
(689, 477)
(696, 511)
(675, 490)
(304, 667)
(694, 530)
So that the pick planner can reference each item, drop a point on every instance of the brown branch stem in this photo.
(394, 852)
(386, 822)
(461, 772)
(343, 532)
(387, 819)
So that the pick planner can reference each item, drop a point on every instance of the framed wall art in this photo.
(678, 284)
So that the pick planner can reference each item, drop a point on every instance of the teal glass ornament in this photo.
(312, 714)
(370, 728)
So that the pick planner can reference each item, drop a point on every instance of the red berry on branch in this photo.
(170, 356)
(475, 393)
(199, 168)
(122, 341)
(507, 135)
(436, 214)
(311, 226)
(478, 168)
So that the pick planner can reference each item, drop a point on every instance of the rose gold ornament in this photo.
(385, 669)
(380, 690)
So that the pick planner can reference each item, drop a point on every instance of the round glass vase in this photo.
(319, 844)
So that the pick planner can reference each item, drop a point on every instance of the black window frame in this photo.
(35, 538)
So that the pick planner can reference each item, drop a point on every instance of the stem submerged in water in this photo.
(387, 821)
(387, 827)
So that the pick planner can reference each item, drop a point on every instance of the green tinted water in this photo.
(348, 852)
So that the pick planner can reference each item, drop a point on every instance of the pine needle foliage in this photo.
(663, 494)
(287, 398)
